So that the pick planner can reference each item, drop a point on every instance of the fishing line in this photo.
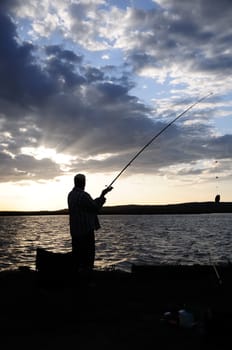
(211, 262)
(215, 269)
(156, 136)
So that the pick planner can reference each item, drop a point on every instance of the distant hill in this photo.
(183, 208)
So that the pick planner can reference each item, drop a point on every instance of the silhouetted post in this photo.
(217, 198)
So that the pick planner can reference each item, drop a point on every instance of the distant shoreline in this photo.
(182, 208)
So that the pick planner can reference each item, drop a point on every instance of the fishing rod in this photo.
(156, 136)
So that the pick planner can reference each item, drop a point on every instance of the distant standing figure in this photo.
(83, 222)
(217, 198)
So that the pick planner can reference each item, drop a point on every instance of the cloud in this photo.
(22, 80)
(177, 42)
(52, 96)
(26, 168)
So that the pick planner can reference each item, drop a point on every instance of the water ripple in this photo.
(150, 239)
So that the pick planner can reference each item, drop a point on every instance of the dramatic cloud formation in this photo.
(85, 84)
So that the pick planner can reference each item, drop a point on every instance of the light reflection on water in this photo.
(151, 239)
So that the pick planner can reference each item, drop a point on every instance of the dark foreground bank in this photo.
(114, 309)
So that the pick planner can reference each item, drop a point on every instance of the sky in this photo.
(86, 84)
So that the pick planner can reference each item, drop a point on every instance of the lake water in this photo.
(147, 239)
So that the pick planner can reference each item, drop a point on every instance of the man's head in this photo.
(79, 181)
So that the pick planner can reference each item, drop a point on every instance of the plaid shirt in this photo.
(83, 212)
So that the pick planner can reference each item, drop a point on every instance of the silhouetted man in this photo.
(83, 222)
